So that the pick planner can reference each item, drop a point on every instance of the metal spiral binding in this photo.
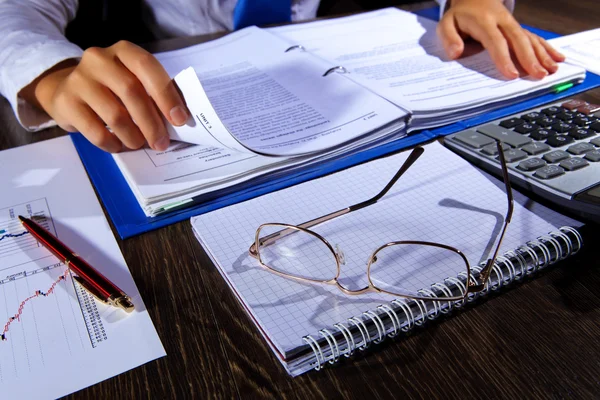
(402, 315)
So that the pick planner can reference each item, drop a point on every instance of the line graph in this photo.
(37, 293)
(45, 315)
(16, 245)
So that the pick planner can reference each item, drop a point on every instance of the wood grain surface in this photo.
(536, 340)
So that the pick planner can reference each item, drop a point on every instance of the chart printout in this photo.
(55, 338)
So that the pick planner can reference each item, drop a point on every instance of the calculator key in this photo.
(532, 116)
(565, 116)
(573, 104)
(593, 156)
(549, 172)
(581, 133)
(536, 148)
(492, 149)
(562, 127)
(584, 121)
(552, 110)
(513, 155)
(474, 139)
(542, 134)
(511, 123)
(588, 108)
(559, 140)
(504, 135)
(595, 141)
(581, 148)
(556, 156)
(532, 164)
(595, 126)
(525, 128)
(546, 121)
(574, 163)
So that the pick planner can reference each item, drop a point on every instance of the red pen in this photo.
(86, 275)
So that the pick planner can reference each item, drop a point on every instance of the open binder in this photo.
(128, 219)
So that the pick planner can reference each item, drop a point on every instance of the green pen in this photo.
(562, 87)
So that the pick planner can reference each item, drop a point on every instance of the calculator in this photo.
(552, 152)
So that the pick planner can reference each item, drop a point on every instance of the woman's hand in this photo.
(490, 23)
(121, 87)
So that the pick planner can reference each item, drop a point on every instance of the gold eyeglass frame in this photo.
(471, 286)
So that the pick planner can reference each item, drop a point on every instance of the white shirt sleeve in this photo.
(510, 4)
(32, 41)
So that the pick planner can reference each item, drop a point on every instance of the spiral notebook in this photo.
(441, 198)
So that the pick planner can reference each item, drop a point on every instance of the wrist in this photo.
(42, 89)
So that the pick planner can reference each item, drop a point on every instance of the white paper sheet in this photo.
(581, 48)
(397, 54)
(57, 338)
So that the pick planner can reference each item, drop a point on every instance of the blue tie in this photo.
(261, 12)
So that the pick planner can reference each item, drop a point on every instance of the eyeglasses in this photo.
(406, 268)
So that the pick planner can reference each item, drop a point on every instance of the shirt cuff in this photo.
(27, 63)
(510, 4)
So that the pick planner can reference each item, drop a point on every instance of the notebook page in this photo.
(398, 55)
(441, 198)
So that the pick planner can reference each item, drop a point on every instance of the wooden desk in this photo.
(537, 340)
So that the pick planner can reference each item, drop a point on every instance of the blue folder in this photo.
(129, 219)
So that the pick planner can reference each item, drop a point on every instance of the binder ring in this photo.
(326, 334)
(393, 318)
(348, 337)
(410, 317)
(378, 324)
(536, 244)
(295, 47)
(556, 245)
(509, 266)
(522, 263)
(458, 283)
(486, 287)
(561, 235)
(577, 236)
(446, 290)
(428, 293)
(534, 258)
(337, 68)
(365, 334)
(500, 281)
(312, 343)
(547, 254)
(423, 309)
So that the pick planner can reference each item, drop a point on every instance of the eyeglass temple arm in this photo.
(487, 270)
(413, 156)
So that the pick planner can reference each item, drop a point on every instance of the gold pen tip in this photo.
(125, 303)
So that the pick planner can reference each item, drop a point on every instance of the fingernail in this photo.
(178, 115)
(161, 144)
(542, 71)
(513, 71)
(454, 50)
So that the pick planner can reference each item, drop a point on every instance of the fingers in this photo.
(523, 47)
(110, 110)
(86, 121)
(138, 104)
(155, 80)
(542, 54)
(494, 42)
(555, 54)
(451, 40)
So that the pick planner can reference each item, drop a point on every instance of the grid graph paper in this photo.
(441, 199)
